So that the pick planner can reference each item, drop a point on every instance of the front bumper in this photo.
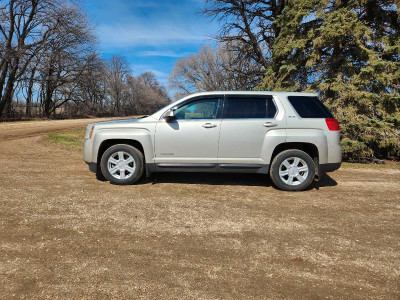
(87, 150)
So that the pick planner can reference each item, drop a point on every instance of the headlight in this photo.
(89, 131)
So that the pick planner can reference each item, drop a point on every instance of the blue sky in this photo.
(152, 34)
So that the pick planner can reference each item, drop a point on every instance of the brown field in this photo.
(64, 234)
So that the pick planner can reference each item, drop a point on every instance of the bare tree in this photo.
(92, 88)
(209, 70)
(248, 26)
(25, 27)
(117, 72)
(68, 54)
(146, 95)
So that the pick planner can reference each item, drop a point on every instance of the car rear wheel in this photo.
(292, 170)
(122, 164)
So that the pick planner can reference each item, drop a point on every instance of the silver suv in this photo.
(290, 136)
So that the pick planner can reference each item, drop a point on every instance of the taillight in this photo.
(333, 124)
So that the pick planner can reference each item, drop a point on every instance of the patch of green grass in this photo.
(70, 139)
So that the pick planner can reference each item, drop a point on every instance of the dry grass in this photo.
(394, 165)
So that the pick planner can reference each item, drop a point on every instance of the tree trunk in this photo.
(29, 96)
(9, 91)
(47, 102)
(8, 53)
(48, 92)
(3, 76)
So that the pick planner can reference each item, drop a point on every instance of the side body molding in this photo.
(140, 135)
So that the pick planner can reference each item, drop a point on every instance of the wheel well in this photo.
(308, 148)
(108, 143)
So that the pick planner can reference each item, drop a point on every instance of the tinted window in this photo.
(201, 109)
(271, 108)
(240, 108)
(309, 107)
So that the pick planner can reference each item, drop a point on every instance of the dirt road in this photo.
(63, 234)
(15, 130)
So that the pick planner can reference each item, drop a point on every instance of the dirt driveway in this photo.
(63, 234)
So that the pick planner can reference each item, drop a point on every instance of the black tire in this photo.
(138, 161)
(280, 158)
(99, 174)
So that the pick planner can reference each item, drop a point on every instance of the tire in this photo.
(292, 170)
(122, 164)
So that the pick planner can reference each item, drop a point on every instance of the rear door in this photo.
(246, 121)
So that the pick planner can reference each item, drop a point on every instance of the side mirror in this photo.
(169, 116)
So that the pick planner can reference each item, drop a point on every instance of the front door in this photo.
(191, 140)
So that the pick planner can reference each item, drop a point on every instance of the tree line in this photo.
(50, 62)
(348, 51)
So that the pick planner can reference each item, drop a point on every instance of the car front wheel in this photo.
(292, 170)
(122, 164)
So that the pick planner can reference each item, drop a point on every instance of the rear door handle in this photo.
(270, 124)
(209, 125)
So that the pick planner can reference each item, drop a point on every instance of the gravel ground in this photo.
(64, 234)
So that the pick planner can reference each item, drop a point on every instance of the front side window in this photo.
(249, 108)
(200, 109)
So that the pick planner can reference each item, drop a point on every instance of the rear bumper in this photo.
(334, 154)
(92, 167)
(329, 167)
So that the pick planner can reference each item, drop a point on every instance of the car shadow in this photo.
(227, 179)
(210, 179)
(324, 181)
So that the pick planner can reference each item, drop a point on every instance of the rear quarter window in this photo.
(309, 107)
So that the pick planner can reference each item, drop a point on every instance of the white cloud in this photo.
(164, 53)
(158, 73)
(134, 35)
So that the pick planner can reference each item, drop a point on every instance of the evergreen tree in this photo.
(349, 52)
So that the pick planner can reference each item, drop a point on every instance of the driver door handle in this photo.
(270, 124)
(209, 125)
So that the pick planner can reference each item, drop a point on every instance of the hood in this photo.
(136, 122)
(115, 122)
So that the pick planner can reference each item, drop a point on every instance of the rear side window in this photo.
(249, 108)
(309, 107)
